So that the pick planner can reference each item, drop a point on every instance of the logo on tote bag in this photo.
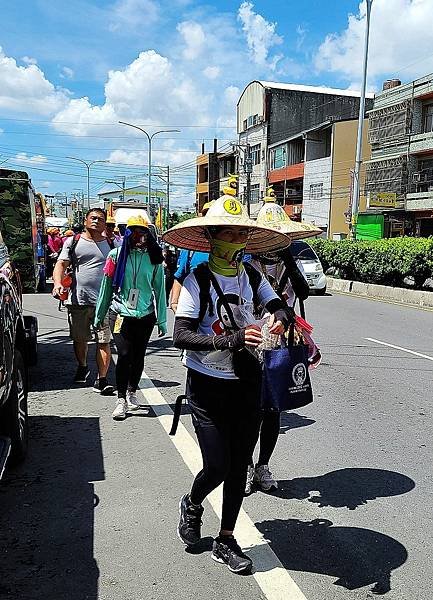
(299, 374)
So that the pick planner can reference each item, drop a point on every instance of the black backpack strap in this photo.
(283, 282)
(72, 254)
(203, 277)
(224, 301)
(176, 413)
(188, 262)
(255, 279)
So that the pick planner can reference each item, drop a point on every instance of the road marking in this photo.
(400, 348)
(271, 576)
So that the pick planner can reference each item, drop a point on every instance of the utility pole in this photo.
(248, 169)
(168, 196)
(122, 186)
(358, 159)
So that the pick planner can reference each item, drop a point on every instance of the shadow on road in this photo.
(356, 557)
(47, 513)
(291, 420)
(348, 488)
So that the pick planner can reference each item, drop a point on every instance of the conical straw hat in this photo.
(272, 215)
(226, 210)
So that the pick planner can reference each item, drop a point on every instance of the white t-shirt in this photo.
(219, 363)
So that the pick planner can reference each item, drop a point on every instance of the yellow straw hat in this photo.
(272, 215)
(226, 210)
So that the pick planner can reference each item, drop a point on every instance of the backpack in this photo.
(202, 275)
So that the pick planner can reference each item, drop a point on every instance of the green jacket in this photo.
(141, 274)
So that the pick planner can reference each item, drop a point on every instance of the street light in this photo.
(358, 159)
(149, 138)
(88, 165)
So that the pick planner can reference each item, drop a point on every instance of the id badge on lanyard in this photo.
(132, 301)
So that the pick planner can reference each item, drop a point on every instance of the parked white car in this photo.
(311, 265)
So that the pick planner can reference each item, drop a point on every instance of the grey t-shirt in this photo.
(89, 260)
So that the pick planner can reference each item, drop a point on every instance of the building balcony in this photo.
(286, 173)
(419, 201)
(422, 143)
(202, 188)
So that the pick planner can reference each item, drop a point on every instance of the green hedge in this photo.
(386, 262)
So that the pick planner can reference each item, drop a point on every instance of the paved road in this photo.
(92, 513)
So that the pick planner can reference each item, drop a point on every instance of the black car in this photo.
(18, 350)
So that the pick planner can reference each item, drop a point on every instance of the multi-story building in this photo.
(288, 131)
(399, 177)
(212, 173)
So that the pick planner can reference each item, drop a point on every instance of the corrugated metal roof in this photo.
(312, 88)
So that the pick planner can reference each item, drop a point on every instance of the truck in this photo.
(18, 351)
(122, 211)
(22, 222)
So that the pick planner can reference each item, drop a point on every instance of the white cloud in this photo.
(401, 39)
(26, 159)
(172, 96)
(133, 14)
(212, 72)
(160, 156)
(301, 32)
(29, 60)
(26, 89)
(66, 73)
(194, 39)
(261, 36)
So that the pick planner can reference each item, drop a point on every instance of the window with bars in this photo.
(255, 154)
(428, 118)
(255, 193)
(316, 191)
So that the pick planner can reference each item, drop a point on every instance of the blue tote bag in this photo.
(286, 383)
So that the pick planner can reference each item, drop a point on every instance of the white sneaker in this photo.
(264, 479)
(119, 412)
(132, 402)
(250, 479)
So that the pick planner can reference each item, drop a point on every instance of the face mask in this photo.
(226, 257)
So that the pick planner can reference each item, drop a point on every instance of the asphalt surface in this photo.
(92, 513)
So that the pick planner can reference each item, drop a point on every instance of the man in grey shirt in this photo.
(86, 255)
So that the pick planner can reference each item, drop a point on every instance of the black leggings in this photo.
(131, 343)
(269, 432)
(226, 417)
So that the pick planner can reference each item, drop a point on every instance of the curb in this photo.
(382, 292)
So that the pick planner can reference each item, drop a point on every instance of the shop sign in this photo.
(383, 200)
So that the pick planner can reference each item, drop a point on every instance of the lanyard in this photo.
(135, 269)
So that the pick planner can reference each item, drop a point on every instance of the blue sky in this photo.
(67, 75)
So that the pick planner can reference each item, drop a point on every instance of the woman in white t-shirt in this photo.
(225, 409)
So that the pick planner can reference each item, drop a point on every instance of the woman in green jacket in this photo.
(133, 282)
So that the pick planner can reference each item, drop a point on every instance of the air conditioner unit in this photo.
(290, 192)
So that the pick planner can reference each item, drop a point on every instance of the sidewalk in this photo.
(383, 292)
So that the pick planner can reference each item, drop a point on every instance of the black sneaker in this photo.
(226, 550)
(102, 386)
(189, 528)
(82, 374)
